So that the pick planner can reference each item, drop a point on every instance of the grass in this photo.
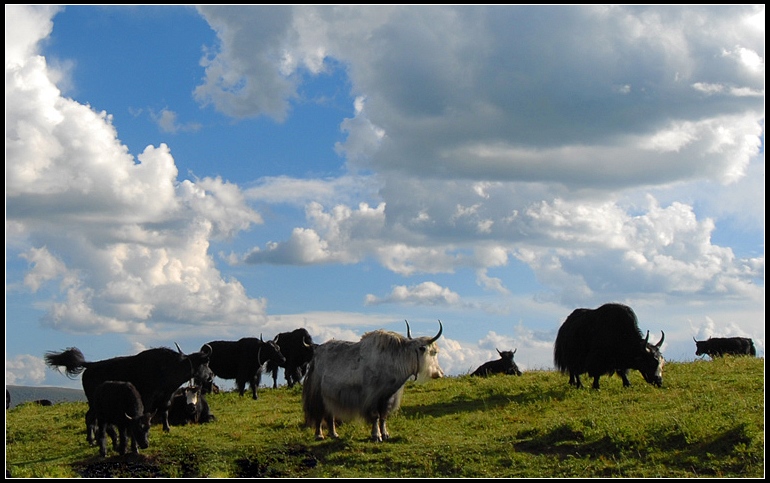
(706, 421)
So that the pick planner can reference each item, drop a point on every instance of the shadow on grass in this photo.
(473, 403)
(119, 466)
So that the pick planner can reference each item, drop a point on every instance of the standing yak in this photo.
(719, 346)
(243, 359)
(118, 404)
(365, 379)
(297, 347)
(603, 341)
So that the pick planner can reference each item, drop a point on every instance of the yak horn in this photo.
(440, 330)
(662, 336)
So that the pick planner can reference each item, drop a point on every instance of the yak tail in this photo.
(559, 355)
(312, 400)
(752, 349)
(72, 360)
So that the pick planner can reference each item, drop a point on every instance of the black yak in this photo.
(603, 341)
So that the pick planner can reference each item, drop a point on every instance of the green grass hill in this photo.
(706, 421)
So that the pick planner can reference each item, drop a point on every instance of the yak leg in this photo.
(241, 388)
(91, 424)
(113, 436)
(275, 379)
(596, 382)
(376, 434)
(164, 417)
(624, 375)
(255, 382)
(574, 379)
(123, 434)
(319, 432)
(101, 436)
(384, 429)
(332, 427)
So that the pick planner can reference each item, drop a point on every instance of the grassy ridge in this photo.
(706, 421)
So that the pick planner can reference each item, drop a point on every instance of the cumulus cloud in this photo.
(168, 121)
(455, 91)
(425, 293)
(24, 370)
(124, 238)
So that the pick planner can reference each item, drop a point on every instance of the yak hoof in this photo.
(319, 437)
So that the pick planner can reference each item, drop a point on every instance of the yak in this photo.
(155, 373)
(297, 347)
(503, 365)
(118, 404)
(189, 406)
(365, 379)
(243, 359)
(719, 346)
(606, 340)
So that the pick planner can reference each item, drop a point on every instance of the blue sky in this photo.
(181, 174)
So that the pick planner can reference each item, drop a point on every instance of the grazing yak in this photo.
(297, 347)
(365, 379)
(503, 365)
(243, 359)
(603, 341)
(155, 373)
(719, 346)
(119, 405)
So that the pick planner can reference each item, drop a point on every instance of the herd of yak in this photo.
(341, 380)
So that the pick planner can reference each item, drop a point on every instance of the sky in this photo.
(187, 174)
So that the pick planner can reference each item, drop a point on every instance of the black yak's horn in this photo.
(662, 336)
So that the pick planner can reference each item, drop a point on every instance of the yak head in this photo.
(510, 367)
(199, 366)
(700, 347)
(270, 351)
(427, 354)
(650, 361)
(140, 428)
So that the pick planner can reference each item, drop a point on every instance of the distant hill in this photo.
(22, 394)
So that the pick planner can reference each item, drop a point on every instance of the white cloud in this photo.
(168, 121)
(425, 293)
(24, 370)
(454, 91)
(126, 241)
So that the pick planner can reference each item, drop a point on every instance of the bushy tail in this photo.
(559, 355)
(312, 401)
(752, 349)
(72, 360)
